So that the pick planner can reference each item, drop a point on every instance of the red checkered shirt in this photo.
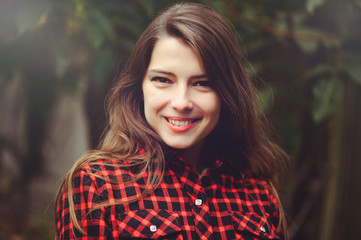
(219, 205)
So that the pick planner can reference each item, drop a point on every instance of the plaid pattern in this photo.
(219, 205)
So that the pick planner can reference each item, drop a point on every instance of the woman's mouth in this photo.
(180, 124)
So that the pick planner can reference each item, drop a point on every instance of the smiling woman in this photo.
(179, 103)
(186, 155)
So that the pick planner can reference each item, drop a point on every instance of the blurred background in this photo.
(58, 60)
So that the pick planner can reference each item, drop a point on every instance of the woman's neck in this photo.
(192, 155)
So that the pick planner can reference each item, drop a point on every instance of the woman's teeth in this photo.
(179, 123)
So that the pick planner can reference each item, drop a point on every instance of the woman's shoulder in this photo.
(107, 172)
(246, 179)
(106, 167)
(253, 189)
(253, 182)
(261, 191)
(106, 180)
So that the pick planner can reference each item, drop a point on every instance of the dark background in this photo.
(58, 60)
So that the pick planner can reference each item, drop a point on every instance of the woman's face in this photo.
(179, 101)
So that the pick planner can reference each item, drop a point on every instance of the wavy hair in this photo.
(241, 135)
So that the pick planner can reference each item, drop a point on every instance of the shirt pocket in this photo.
(251, 225)
(149, 224)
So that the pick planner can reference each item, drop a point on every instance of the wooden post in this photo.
(343, 198)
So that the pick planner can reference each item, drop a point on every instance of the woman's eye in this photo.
(203, 84)
(160, 80)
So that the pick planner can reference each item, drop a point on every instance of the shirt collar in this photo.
(176, 163)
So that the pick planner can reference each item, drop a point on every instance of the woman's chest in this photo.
(184, 210)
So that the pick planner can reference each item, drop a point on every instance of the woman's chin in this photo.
(179, 146)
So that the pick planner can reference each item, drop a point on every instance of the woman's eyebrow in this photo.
(155, 71)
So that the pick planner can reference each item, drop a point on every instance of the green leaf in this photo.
(265, 99)
(60, 53)
(311, 5)
(317, 70)
(307, 46)
(351, 63)
(61, 65)
(29, 14)
(300, 26)
(100, 27)
(326, 95)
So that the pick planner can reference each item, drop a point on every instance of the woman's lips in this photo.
(177, 124)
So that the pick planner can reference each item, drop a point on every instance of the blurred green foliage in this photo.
(301, 54)
(310, 42)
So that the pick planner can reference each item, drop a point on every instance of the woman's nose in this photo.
(181, 101)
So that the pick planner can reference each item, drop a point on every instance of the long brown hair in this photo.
(240, 136)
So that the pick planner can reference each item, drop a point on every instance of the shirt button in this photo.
(198, 202)
(153, 228)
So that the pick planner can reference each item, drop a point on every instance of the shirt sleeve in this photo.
(85, 197)
(261, 199)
